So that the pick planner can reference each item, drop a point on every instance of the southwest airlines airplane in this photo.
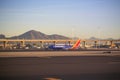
(65, 47)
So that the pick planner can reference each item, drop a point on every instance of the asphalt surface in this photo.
(37, 50)
(60, 68)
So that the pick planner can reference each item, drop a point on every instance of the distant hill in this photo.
(109, 39)
(94, 38)
(2, 36)
(32, 34)
(56, 36)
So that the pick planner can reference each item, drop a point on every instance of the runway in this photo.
(79, 67)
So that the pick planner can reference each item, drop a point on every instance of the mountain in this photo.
(32, 34)
(93, 38)
(109, 39)
(2, 36)
(56, 36)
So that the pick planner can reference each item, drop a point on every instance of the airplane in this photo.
(65, 47)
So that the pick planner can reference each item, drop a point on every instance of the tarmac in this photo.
(59, 53)
(60, 65)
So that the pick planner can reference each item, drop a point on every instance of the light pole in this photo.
(99, 36)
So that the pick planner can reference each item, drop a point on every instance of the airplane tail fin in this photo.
(76, 45)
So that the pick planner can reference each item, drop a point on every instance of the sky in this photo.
(72, 18)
